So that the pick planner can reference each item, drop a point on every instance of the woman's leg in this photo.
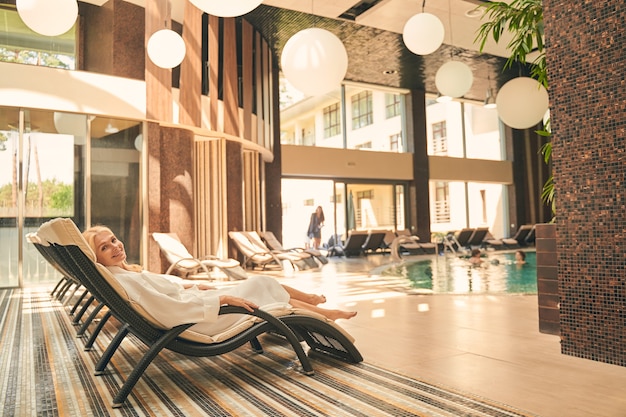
(328, 313)
(312, 299)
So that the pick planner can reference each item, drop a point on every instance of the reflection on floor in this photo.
(484, 344)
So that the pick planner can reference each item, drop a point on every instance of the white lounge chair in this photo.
(184, 262)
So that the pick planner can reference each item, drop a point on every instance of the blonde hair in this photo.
(90, 236)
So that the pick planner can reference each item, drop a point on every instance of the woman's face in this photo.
(109, 250)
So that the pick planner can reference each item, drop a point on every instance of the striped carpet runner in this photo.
(44, 371)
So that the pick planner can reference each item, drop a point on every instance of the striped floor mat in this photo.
(44, 371)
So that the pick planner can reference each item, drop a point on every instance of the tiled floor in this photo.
(482, 344)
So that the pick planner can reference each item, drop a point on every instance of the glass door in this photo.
(53, 147)
(9, 157)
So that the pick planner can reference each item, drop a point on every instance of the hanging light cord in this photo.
(423, 6)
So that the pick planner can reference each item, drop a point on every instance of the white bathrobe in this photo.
(165, 299)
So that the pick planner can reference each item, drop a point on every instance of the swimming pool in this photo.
(453, 274)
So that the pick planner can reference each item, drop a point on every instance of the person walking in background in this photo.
(316, 223)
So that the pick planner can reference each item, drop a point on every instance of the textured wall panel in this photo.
(586, 58)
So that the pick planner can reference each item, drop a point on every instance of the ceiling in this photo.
(373, 39)
(371, 31)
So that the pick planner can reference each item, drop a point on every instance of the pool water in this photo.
(453, 274)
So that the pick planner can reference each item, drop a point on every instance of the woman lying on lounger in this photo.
(173, 301)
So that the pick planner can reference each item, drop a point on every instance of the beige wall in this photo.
(470, 170)
(344, 163)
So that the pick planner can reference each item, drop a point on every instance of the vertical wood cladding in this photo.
(585, 60)
(191, 68)
(158, 80)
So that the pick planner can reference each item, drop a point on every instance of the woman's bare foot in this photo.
(340, 314)
(315, 299)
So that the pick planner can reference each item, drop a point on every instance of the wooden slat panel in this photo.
(267, 96)
(247, 64)
(211, 196)
(158, 80)
(191, 68)
(230, 77)
(214, 51)
(259, 91)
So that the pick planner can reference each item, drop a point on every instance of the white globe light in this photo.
(423, 33)
(225, 8)
(454, 79)
(522, 103)
(314, 61)
(166, 48)
(70, 124)
(48, 17)
(139, 142)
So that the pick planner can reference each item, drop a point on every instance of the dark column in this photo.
(273, 173)
(419, 211)
(234, 193)
(114, 39)
(170, 188)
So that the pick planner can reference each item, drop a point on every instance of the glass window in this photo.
(469, 130)
(482, 133)
(115, 180)
(442, 203)
(9, 233)
(350, 117)
(445, 127)
(468, 204)
(395, 142)
(332, 121)
(21, 45)
(392, 105)
(439, 138)
(362, 110)
(300, 198)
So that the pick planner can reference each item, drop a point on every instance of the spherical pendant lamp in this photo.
(166, 48)
(226, 8)
(454, 79)
(423, 33)
(522, 103)
(48, 17)
(70, 124)
(314, 61)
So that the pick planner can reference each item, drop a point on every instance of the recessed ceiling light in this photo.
(473, 12)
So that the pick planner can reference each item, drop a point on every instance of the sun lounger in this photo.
(515, 241)
(354, 243)
(374, 241)
(274, 244)
(299, 260)
(187, 265)
(477, 238)
(65, 244)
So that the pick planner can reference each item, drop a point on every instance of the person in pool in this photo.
(520, 257)
(475, 257)
(173, 301)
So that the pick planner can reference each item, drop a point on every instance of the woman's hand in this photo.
(205, 287)
(238, 302)
(202, 287)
